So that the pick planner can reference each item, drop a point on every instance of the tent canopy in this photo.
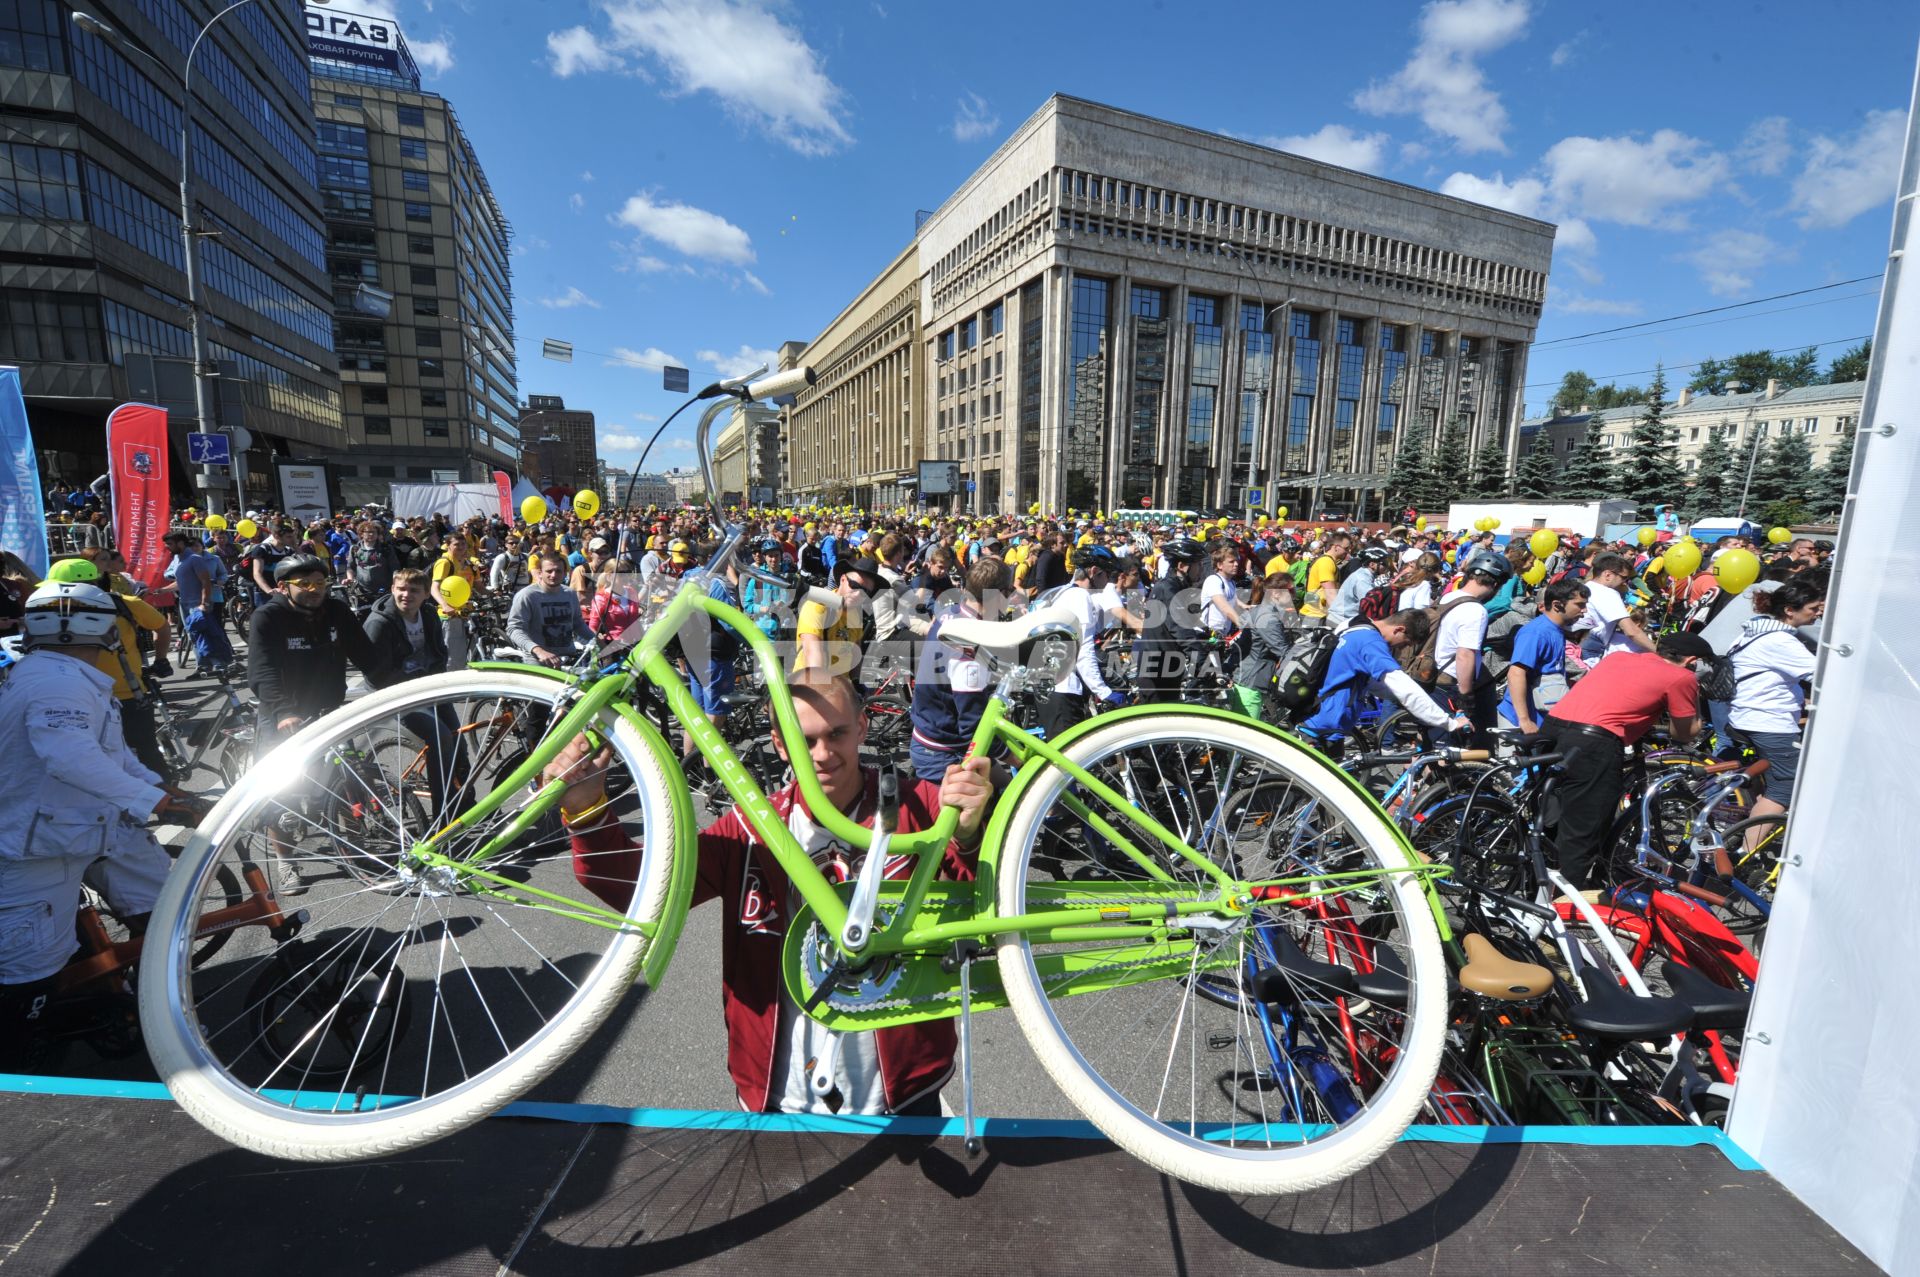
(458, 501)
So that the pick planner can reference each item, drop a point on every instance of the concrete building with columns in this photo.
(1119, 311)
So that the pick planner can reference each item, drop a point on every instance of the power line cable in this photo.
(1708, 323)
(1711, 310)
(1643, 372)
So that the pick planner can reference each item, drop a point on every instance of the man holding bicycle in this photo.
(780, 1059)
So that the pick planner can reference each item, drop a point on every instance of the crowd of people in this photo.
(1587, 643)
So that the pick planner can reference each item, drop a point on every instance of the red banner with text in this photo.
(137, 465)
(505, 485)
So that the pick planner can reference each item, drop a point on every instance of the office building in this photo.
(417, 250)
(92, 270)
(558, 449)
(1119, 311)
(1825, 414)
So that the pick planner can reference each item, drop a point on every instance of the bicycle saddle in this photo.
(1715, 1007)
(1007, 636)
(1612, 1011)
(1492, 974)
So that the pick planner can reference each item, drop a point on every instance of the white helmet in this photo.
(71, 614)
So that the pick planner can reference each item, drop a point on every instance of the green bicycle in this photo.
(1221, 950)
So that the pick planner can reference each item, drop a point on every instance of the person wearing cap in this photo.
(829, 642)
(679, 559)
(298, 645)
(1614, 706)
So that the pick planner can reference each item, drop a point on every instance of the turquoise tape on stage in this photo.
(985, 1127)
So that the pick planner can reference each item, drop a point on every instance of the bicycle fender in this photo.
(1031, 770)
(686, 851)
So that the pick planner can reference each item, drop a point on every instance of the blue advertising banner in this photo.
(23, 518)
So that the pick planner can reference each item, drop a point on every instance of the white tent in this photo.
(458, 501)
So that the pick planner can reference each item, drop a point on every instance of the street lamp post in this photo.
(189, 234)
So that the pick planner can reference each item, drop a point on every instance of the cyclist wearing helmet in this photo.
(1372, 570)
(1170, 622)
(762, 600)
(1094, 566)
(76, 804)
(298, 646)
(1461, 634)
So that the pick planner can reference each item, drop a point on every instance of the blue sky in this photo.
(703, 181)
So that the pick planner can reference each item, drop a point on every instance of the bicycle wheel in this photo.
(1756, 846)
(504, 983)
(1350, 970)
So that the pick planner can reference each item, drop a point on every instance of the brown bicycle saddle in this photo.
(1492, 974)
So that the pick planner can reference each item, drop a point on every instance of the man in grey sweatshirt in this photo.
(544, 619)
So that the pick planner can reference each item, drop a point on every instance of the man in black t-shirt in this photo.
(1049, 570)
(264, 555)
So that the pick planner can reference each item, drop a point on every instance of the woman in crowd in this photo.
(1771, 666)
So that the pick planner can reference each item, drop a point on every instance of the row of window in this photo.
(431, 427)
(216, 164)
(229, 273)
(49, 327)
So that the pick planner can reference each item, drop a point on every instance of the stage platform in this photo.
(108, 1178)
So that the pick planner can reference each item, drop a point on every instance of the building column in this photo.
(1056, 367)
(1366, 423)
(1119, 386)
(1517, 412)
(1173, 415)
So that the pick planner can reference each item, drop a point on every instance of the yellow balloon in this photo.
(1535, 574)
(1646, 537)
(1543, 542)
(1420, 524)
(1220, 523)
(1778, 536)
(1659, 564)
(1736, 569)
(1199, 534)
(216, 523)
(586, 503)
(1034, 508)
(533, 509)
(455, 590)
(247, 528)
(1683, 558)
(1281, 512)
(1261, 520)
(1100, 514)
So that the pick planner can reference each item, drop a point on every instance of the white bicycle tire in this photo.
(1195, 1161)
(220, 1104)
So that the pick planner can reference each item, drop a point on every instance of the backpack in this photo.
(1423, 665)
(1298, 675)
(1575, 571)
(1496, 654)
(1381, 602)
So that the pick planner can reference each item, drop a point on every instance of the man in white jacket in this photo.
(76, 807)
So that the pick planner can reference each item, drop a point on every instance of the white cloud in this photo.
(645, 416)
(1633, 182)
(586, 175)
(653, 359)
(1524, 195)
(434, 56)
(622, 442)
(1337, 144)
(529, 244)
(1728, 260)
(1765, 148)
(568, 300)
(740, 362)
(690, 230)
(1574, 304)
(1845, 177)
(756, 283)
(1442, 82)
(577, 50)
(1564, 51)
(678, 445)
(973, 119)
(762, 70)
(1575, 236)
(576, 201)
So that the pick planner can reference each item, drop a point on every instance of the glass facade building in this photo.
(417, 256)
(1219, 315)
(91, 267)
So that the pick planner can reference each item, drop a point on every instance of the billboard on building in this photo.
(361, 40)
(939, 478)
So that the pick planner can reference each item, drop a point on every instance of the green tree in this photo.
(1708, 375)
(1612, 396)
(1452, 463)
(1781, 514)
(1535, 477)
(1852, 366)
(1802, 369)
(1710, 496)
(1490, 470)
(1410, 481)
(1829, 489)
(1649, 470)
(1588, 474)
(1576, 391)
(1753, 369)
(1784, 472)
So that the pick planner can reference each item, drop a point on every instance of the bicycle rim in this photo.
(424, 997)
(1242, 1066)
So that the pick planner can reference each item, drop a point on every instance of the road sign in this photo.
(1256, 498)
(674, 379)
(971, 485)
(209, 450)
(555, 349)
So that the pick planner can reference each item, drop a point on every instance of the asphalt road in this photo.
(666, 1047)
